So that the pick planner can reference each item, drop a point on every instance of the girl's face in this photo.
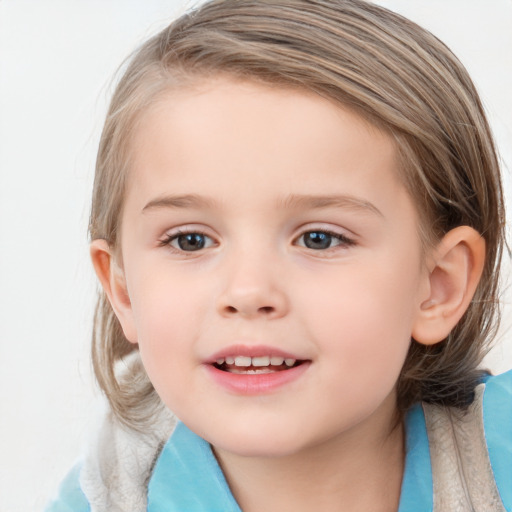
(273, 266)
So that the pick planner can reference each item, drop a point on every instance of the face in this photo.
(272, 265)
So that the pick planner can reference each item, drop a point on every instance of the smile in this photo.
(250, 370)
(255, 365)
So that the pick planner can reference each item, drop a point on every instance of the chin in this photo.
(261, 443)
(257, 451)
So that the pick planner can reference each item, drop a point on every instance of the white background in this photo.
(56, 61)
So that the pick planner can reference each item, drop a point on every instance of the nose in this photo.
(253, 288)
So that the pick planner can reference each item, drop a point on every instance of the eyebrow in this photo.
(181, 201)
(337, 201)
(289, 202)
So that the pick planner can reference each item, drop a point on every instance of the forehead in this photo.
(255, 136)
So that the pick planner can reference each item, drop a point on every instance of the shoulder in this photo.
(116, 469)
(471, 450)
(497, 419)
(70, 497)
(498, 386)
(120, 460)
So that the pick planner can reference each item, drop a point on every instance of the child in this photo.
(297, 223)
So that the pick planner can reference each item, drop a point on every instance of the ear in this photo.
(113, 281)
(455, 268)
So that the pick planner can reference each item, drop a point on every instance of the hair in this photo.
(362, 57)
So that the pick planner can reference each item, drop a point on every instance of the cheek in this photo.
(162, 300)
(364, 316)
(167, 325)
(167, 316)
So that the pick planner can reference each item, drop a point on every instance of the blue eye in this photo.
(322, 240)
(189, 242)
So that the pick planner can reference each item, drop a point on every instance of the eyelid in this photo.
(331, 229)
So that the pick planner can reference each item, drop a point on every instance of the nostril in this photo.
(264, 310)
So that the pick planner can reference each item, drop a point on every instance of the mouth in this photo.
(247, 365)
(255, 370)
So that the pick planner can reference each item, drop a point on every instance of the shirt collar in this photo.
(188, 477)
(417, 486)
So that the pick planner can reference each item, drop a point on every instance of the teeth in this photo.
(242, 361)
(251, 372)
(261, 361)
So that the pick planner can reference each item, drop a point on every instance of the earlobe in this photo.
(455, 270)
(113, 281)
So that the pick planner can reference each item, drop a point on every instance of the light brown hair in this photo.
(363, 57)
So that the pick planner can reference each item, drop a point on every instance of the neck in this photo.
(357, 471)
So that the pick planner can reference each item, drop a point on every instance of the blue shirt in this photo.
(187, 477)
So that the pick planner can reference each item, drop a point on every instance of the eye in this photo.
(321, 240)
(188, 242)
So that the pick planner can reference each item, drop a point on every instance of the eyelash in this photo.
(343, 240)
(167, 241)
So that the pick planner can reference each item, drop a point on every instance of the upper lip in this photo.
(250, 351)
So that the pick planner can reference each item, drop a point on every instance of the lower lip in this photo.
(256, 384)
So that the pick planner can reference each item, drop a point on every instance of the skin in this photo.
(272, 167)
